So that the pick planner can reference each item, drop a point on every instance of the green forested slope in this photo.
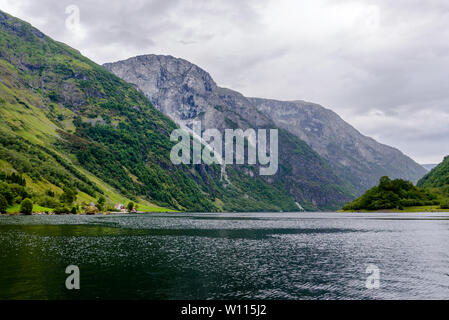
(67, 123)
(437, 177)
(60, 111)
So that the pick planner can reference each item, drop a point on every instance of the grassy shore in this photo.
(38, 209)
(408, 209)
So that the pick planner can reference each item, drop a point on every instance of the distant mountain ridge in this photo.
(429, 166)
(357, 158)
(184, 91)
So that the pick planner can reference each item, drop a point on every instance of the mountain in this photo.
(438, 177)
(431, 193)
(183, 91)
(429, 166)
(67, 123)
(355, 157)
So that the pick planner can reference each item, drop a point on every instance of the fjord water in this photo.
(226, 256)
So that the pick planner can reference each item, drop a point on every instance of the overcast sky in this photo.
(382, 65)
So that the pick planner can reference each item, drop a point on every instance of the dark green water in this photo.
(225, 256)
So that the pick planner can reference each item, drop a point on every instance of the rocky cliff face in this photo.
(175, 86)
(185, 92)
(357, 158)
(342, 158)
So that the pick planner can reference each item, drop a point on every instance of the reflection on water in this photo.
(226, 256)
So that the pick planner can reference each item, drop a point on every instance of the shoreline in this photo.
(69, 214)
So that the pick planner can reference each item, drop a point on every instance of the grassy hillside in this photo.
(437, 181)
(53, 100)
(68, 124)
(437, 177)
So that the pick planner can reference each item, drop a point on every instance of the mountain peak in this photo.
(156, 75)
(17, 26)
(184, 91)
(169, 69)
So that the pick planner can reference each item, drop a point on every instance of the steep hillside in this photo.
(355, 157)
(438, 177)
(185, 92)
(66, 122)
